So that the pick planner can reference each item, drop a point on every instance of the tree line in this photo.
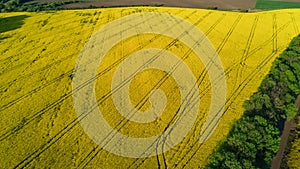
(254, 139)
(21, 5)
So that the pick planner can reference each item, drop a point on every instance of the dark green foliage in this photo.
(251, 144)
(12, 22)
(21, 5)
(254, 139)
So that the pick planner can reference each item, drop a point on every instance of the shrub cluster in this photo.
(254, 139)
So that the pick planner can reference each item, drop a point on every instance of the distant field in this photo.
(241, 5)
(221, 4)
(277, 4)
(237, 5)
(37, 60)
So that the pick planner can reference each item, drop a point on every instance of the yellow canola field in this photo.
(39, 125)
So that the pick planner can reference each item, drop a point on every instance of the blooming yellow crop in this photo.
(39, 126)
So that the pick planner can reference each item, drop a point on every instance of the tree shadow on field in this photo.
(11, 23)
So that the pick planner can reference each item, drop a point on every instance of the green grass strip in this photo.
(273, 4)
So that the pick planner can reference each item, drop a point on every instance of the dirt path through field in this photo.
(288, 126)
(221, 4)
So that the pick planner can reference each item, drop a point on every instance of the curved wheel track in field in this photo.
(224, 37)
